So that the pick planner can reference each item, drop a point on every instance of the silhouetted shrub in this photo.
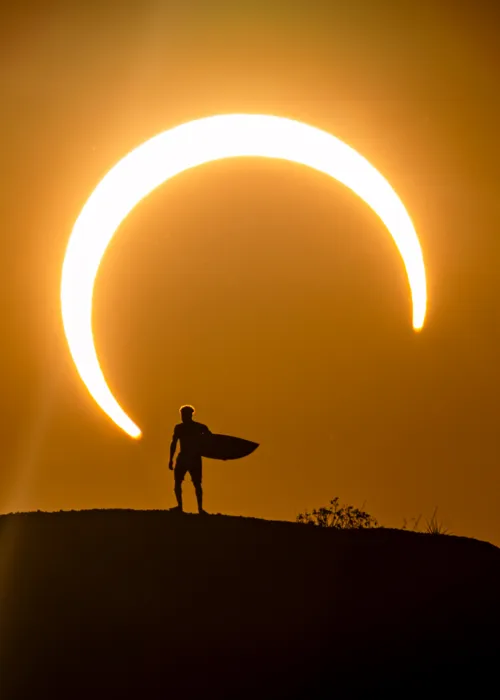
(339, 517)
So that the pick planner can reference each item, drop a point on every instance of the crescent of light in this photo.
(187, 146)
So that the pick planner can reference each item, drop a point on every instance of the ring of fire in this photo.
(186, 146)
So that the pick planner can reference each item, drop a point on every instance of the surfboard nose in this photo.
(226, 447)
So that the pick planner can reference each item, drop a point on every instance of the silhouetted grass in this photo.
(435, 527)
(415, 525)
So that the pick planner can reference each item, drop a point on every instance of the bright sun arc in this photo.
(184, 147)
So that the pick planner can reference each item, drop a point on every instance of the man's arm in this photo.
(173, 447)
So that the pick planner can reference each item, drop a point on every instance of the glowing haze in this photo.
(184, 147)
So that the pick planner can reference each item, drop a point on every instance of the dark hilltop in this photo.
(138, 604)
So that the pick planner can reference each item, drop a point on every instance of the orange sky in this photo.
(264, 293)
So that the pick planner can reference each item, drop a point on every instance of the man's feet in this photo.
(176, 509)
(202, 512)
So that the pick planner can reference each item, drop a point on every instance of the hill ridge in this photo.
(150, 602)
(254, 520)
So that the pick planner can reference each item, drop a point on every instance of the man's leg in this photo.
(178, 479)
(196, 477)
(199, 496)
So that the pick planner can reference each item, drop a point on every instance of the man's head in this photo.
(187, 413)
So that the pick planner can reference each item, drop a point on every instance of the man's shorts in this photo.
(188, 465)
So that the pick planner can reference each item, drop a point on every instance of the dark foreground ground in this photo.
(149, 604)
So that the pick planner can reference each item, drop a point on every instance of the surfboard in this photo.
(215, 446)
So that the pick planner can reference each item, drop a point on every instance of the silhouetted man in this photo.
(188, 433)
